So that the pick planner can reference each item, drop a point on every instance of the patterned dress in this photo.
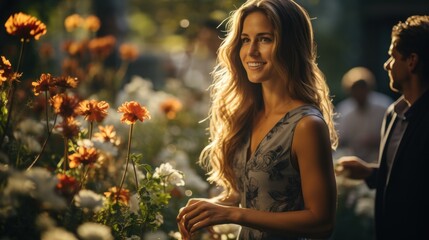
(267, 181)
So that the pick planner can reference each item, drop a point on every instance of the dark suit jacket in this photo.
(402, 203)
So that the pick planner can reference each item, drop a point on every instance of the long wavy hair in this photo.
(235, 100)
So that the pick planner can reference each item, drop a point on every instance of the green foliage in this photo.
(120, 219)
(3, 109)
(125, 222)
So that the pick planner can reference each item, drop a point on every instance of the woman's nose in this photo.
(253, 49)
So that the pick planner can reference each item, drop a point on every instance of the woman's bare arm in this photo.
(312, 149)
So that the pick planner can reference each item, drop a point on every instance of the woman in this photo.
(271, 130)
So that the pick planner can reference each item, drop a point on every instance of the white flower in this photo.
(163, 170)
(159, 219)
(169, 175)
(94, 231)
(180, 160)
(27, 131)
(230, 230)
(134, 203)
(57, 234)
(86, 143)
(44, 190)
(175, 235)
(88, 199)
(176, 178)
(139, 89)
(133, 237)
(28, 141)
(44, 222)
(158, 235)
(31, 127)
(107, 147)
(19, 184)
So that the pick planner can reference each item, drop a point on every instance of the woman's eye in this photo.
(265, 39)
(244, 40)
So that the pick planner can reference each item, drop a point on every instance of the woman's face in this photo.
(257, 43)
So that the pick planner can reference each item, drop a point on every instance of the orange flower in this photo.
(133, 111)
(128, 52)
(74, 48)
(69, 127)
(170, 107)
(113, 194)
(85, 156)
(67, 185)
(5, 70)
(72, 22)
(93, 110)
(65, 82)
(92, 23)
(107, 134)
(102, 47)
(45, 83)
(64, 105)
(25, 27)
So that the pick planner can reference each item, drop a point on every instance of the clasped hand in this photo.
(199, 214)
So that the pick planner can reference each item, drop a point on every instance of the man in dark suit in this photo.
(401, 177)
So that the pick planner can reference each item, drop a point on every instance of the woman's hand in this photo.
(199, 214)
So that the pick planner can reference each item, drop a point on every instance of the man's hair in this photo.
(413, 37)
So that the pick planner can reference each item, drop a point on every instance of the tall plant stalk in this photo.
(127, 162)
(49, 132)
(11, 94)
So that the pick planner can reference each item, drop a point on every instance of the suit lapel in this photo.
(390, 120)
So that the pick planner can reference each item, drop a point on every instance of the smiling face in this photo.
(256, 52)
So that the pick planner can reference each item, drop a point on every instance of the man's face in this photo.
(396, 67)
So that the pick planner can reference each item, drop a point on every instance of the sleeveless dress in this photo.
(267, 181)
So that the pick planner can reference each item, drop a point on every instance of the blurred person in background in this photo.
(360, 115)
(401, 177)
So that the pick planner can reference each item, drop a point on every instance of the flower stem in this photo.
(44, 143)
(83, 179)
(11, 95)
(134, 164)
(66, 141)
(46, 111)
(91, 127)
(128, 160)
(21, 53)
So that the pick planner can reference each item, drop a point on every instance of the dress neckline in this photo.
(287, 115)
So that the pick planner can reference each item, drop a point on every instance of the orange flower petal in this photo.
(133, 111)
(25, 27)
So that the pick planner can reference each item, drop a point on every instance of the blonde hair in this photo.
(235, 100)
